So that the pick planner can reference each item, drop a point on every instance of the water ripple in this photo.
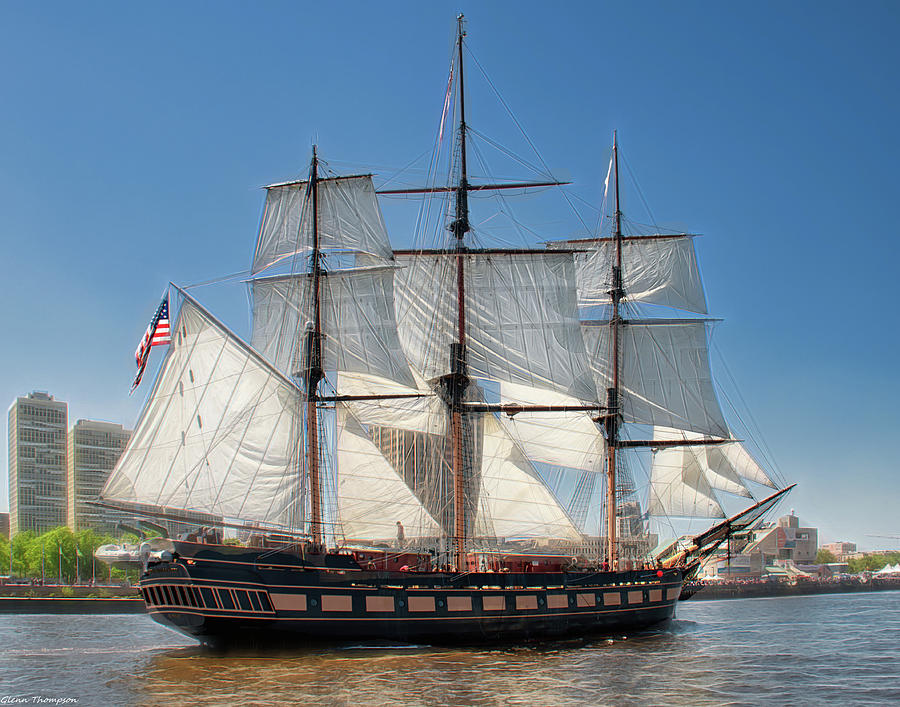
(826, 650)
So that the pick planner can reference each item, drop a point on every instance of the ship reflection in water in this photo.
(832, 650)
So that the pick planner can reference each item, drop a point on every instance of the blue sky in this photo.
(135, 139)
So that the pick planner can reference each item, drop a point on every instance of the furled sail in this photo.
(664, 371)
(349, 220)
(513, 502)
(371, 496)
(521, 318)
(218, 434)
(655, 270)
(565, 439)
(357, 317)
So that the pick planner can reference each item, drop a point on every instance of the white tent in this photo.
(889, 569)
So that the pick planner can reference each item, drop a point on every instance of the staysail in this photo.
(513, 502)
(683, 479)
(372, 497)
(563, 439)
(219, 431)
(679, 486)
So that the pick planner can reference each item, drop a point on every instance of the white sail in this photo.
(665, 374)
(218, 433)
(426, 413)
(720, 475)
(736, 459)
(679, 487)
(654, 270)
(521, 318)
(357, 318)
(566, 439)
(513, 502)
(372, 498)
(349, 219)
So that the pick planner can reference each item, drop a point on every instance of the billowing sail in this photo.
(513, 502)
(734, 458)
(218, 434)
(371, 496)
(679, 486)
(720, 475)
(357, 318)
(565, 439)
(348, 214)
(665, 374)
(655, 270)
(426, 413)
(521, 318)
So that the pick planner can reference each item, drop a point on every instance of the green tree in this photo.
(87, 542)
(823, 556)
(873, 562)
(56, 550)
(20, 544)
(27, 550)
(4, 555)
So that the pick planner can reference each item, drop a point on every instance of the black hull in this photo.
(229, 598)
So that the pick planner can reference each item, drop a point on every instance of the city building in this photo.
(37, 463)
(791, 542)
(775, 548)
(841, 550)
(94, 448)
(4, 524)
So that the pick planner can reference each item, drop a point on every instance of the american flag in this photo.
(157, 334)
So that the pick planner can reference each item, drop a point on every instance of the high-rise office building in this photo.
(37, 463)
(94, 449)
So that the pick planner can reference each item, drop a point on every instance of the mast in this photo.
(612, 394)
(313, 372)
(458, 380)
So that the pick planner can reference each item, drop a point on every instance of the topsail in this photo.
(349, 220)
(655, 270)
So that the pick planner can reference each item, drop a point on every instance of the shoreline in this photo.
(710, 592)
(72, 605)
(132, 603)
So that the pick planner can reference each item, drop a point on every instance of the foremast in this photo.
(612, 419)
(312, 367)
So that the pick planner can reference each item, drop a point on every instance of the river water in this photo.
(818, 650)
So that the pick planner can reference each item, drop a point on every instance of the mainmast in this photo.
(457, 381)
(313, 372)
(616, 294)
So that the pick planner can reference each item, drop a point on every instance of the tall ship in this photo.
(432, 444)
